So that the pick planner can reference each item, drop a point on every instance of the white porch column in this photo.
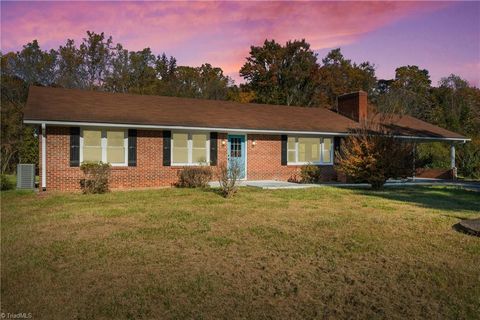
(452, 161)
(452, 155)
(414, 151)
(44, 156)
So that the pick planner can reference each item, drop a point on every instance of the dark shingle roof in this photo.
(69, 105)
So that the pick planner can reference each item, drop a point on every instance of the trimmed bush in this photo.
(6, 183)
(310, 174)
(96, 177)
(194, 177)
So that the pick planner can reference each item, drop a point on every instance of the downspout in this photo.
(44, 156)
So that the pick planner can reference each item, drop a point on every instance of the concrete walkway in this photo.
(274, 184)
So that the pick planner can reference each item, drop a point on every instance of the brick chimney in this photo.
(353, 105)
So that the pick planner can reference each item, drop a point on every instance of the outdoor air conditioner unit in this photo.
(25, 176)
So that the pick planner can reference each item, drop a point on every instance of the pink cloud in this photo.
(216, 32)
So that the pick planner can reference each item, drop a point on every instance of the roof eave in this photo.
(232, 130)
(433, 138)
(170, 127)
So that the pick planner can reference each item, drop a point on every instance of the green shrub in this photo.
(194, 177)
(373, 154)
(6, 183)
(432, 155)
(310, 174)
(468, 156)
(96, 177)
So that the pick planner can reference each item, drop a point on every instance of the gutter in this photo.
(161, 127)
(232, 130)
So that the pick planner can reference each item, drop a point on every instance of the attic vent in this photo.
(25, 176)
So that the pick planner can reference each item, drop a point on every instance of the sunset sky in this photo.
(443, 37)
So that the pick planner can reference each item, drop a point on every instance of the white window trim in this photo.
(190, 150)
(103, 145)
(319, 163)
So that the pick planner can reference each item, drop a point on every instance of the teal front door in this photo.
(236, 154)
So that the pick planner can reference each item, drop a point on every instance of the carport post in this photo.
(414, 151)
(452, 160)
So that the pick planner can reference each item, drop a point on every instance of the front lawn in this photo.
(277, 254)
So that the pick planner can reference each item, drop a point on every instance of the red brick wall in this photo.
(434, 173)
(149, 171)
(353, 105)
(263, 162)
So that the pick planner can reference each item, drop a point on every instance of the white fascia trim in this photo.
(230, 130)
(145, 126)
(463, 140)
(307, 163)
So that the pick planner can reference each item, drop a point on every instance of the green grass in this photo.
(184, 253)
(12, 178)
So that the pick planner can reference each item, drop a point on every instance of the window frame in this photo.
(103, 144)
(190, 149)
(321, 162)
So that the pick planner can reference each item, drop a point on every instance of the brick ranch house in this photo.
(148, 139)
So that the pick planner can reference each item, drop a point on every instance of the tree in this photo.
(283, 74)
(339, 75)
(240, 94)
(453, 105)
(413, 85)
(142, 72)
(412, 78)
(372, 154)
(166, 69)
(96, 52)
(469, 159)
(95, 65)
(457, 108)
(118, 78)
(13, 132)
(33, 65)
(204, 82)
(212, 82)
(71, 72)
(457, 105)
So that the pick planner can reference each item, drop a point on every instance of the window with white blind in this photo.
(190, 148)
(92, 145)
(106, 145)
(305, 150)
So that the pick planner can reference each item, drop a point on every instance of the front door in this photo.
(236, 154)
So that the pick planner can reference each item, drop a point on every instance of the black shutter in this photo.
(132, 147)
(213, 148)
(74, 146)
(284, 149)
(337, 141)
(167, 143)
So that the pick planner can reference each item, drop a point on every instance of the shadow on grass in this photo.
(460, 228)
(213, 190)
(218, 191)
(442, 198)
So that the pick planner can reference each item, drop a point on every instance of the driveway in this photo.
(274, 184)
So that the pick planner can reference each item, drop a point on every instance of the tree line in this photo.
(288, 74)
